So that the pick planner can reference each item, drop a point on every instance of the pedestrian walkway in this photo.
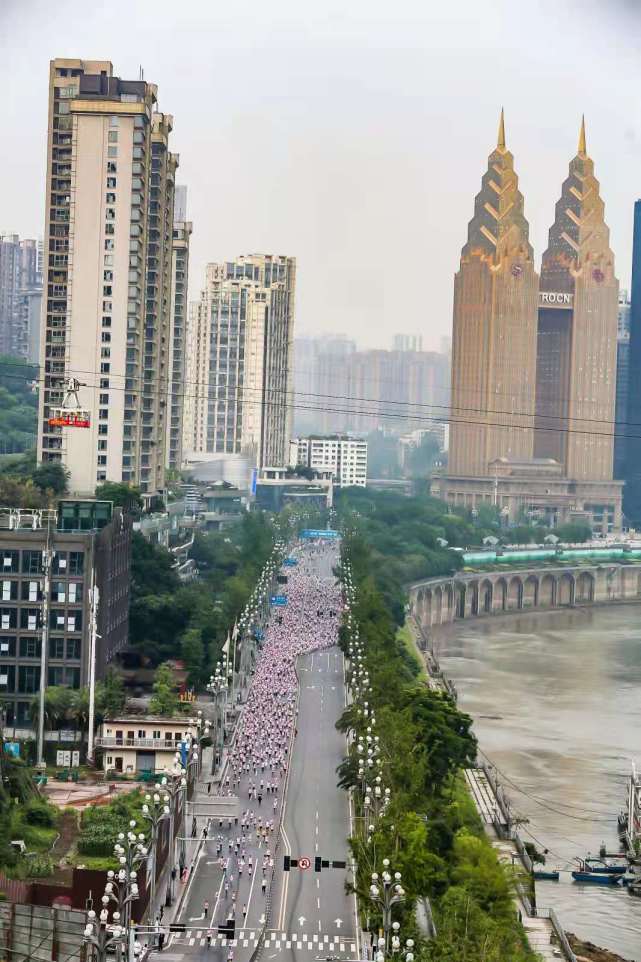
(249, 938)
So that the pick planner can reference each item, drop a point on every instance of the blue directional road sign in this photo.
(278, 601)
(326, 533)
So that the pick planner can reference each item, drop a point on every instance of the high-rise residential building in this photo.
(494, 327)
(395, 391)
(340, 389)
(407, 342)
(239, 360)
(632, 457)
(108, 247)
(344, 456)
(20, 296)
(534, 363)
(178, 330)
(623, 384)
(84, 544)
(320, 382)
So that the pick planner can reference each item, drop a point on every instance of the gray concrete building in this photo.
(83, 543)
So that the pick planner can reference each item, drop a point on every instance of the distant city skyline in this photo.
(368, 122)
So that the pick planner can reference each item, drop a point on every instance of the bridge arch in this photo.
(460, 600)
(531, 592)
(565, 590)
(547, 591)
(438, 605)
(515, 593)
(585, 587)
(486, 595)
(500, 594)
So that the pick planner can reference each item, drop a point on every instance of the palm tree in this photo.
(57, 704)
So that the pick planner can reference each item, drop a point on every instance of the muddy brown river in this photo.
(556, 701)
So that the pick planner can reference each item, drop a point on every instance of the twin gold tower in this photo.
(534, 357)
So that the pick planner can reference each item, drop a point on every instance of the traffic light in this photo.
(317, 863)
(228, 929)
(286, 861)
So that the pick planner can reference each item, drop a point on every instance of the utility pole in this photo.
(47, 556)
(94, 596)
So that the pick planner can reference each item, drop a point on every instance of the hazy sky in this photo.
(350, 133)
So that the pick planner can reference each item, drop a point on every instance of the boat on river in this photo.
(596, 878)
(543, 876)
(605, 867)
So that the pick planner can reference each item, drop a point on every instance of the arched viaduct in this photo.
(438, 601)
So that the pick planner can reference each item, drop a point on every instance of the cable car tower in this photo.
(70, 414)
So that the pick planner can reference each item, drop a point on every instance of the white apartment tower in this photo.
(178, 330)
(239, 360)
(344, 456)
(107, 275)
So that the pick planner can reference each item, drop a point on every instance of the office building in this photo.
(494, 327)
(577, 341)
(632, 457)
(622, 384)
(86, 543)
(108, 247)
(239, 368)
(344, 456)
(534, 362)
(178, 330)
(20, 296)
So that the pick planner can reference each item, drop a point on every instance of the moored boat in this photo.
(605, 868)
(541, 876)
(596, 878)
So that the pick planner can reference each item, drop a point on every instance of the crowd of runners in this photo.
(258, 762)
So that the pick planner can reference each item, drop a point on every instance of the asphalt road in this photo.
(308, 914)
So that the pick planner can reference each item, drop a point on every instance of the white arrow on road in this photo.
(339, 922)
(262, 919)
(196, 918)
(302, 920)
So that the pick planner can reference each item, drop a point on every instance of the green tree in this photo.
(574, 532)
(420, 460)
(164, 700)
(57, 704)
(51, 476)
(110, 693)
(192, 652)
(123, 495)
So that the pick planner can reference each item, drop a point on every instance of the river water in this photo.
(556, 701)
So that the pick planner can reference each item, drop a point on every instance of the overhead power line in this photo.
(238, 394)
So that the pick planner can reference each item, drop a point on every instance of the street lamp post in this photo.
(101, 935)
(155, 810)
(122, 889)
(386, 891)
(218, 690)
(173, 783)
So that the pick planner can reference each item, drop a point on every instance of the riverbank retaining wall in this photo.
(440, 601)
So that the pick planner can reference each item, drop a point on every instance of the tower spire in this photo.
(501, 138)
(582, 147)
